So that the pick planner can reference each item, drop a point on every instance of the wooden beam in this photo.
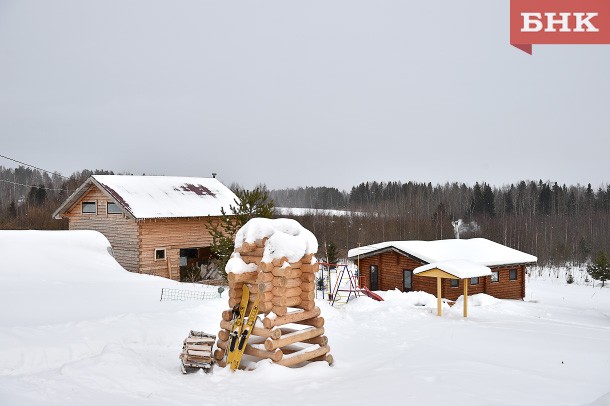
(303, 355)
(439, 302)
(465, 297)
(294, 337)
(293, 317)
(169, 265)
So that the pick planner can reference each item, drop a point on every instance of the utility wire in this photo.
(35, 167)
(39, 187)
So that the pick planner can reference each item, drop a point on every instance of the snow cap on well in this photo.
(286, 238)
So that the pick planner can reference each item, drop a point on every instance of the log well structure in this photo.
(289, 330)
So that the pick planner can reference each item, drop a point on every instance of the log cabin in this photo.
(389, 265)
(156, 224)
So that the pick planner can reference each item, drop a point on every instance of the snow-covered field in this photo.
(76, 329)
(304, 211)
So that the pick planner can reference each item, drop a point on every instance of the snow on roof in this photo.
(286, 238)
(167, 196)
(479, 250)
(459, 268)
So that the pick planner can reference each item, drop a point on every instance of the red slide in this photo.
(372, 295)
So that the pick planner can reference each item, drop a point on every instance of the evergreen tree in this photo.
(37, 195)
(583, 250)
(482, 200)
(41, 195)
(477, 206)
(489, 206)
(509, 206)
(249, 204)
(600, 269)
(331, 254)
(12, 210)
(589, 196)
(544, 199)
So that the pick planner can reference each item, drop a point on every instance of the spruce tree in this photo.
(249, 204)
(12, 210)
(489, 206)
(600, 268)
(476, 203)
(331, 254)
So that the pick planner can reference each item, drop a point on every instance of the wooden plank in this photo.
(169, 268)
(198, 347)
(198, 353)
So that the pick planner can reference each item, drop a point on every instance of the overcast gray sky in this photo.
(298, 93)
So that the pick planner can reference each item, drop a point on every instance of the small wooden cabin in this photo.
(156, 224)
(389, 265)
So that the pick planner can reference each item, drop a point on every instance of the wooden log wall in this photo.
(392, 264)
(134, 241)
(289, 331)
(171, 235)
(121, 231)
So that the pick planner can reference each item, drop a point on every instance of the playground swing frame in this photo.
(343, 271)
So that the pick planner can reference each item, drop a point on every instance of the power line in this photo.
(35, 167)
(39, 187)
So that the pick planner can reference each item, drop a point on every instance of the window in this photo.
(512, 274)
(474, 281)
(495, 276)
(89, 208)
(455, 283)
(113, 208)
(159, 253)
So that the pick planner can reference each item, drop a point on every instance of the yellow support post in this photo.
(438, 296)
(465, 297)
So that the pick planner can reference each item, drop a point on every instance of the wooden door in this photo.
(374, 277)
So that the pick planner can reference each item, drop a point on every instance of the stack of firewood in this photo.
(290, 330)
(197, 351)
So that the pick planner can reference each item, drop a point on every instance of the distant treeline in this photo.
(557, 223)
(28, 197)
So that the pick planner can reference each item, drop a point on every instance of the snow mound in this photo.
(416, 298)
(420, 298)
(237, 265)
(71, 275)
(56, 255)
(480, 299)
(286, 238)
(602, 401)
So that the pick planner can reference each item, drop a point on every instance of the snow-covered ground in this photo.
(304, 211)
(76, 329)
